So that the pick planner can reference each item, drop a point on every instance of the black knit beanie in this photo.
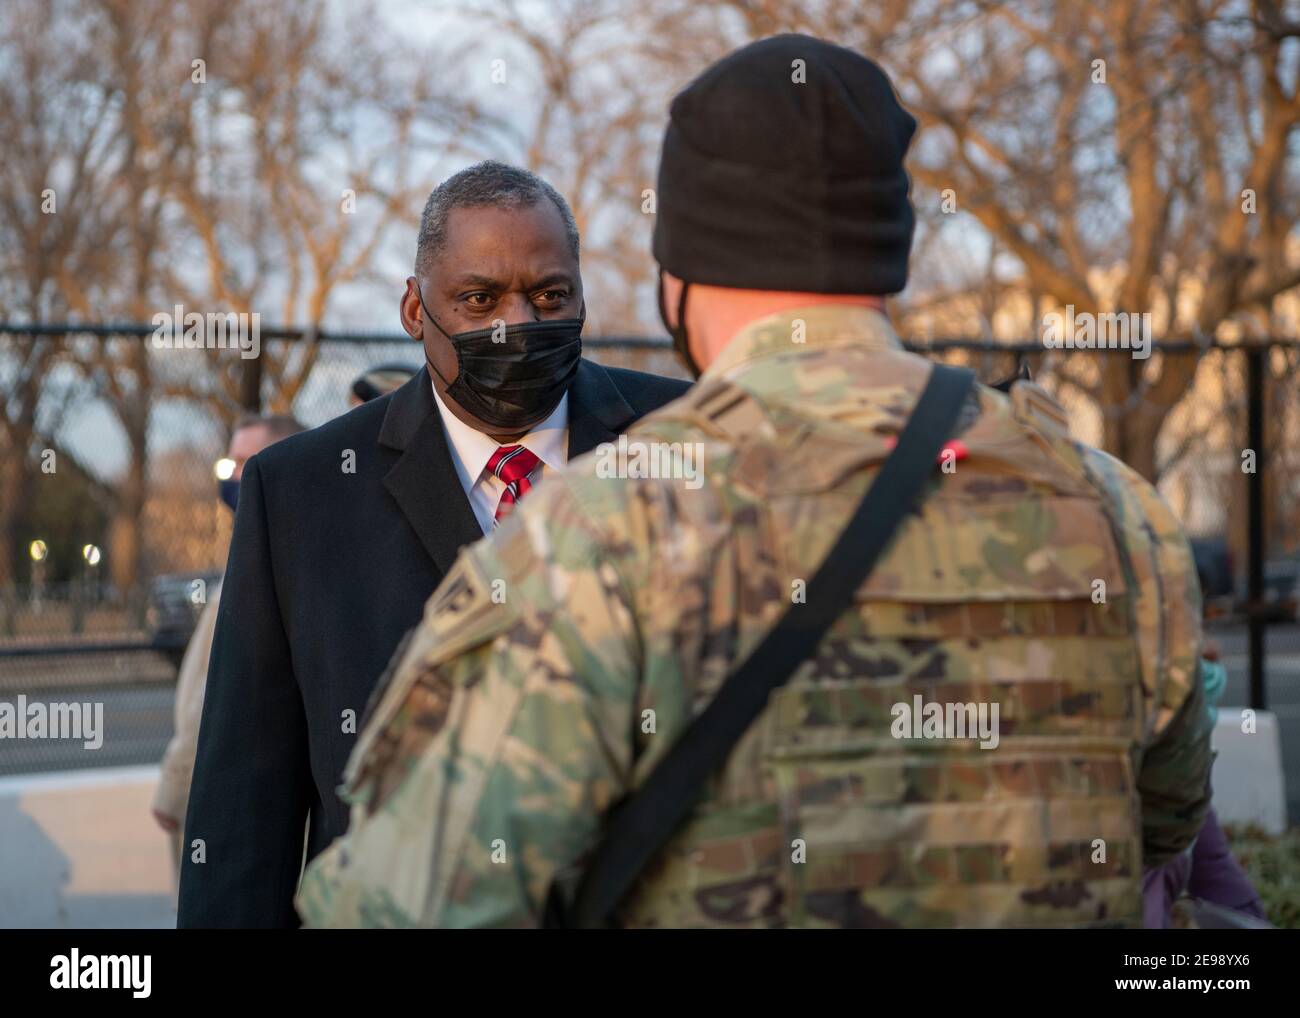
(767, 183)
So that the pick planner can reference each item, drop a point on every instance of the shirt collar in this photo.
(548, 441)
(823, 325)
(472, 449)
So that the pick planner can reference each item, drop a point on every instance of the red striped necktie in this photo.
(513, 464)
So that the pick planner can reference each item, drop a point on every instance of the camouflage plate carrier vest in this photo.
(1010, 587)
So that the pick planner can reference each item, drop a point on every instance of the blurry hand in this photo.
(167, 823)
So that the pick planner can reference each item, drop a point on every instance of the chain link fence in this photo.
(112, 529)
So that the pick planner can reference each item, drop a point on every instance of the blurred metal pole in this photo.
(250, 385)
(1255, 621)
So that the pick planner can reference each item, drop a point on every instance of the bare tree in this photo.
(1128, 156)
(327, 166)
(226, 155)
(589, 125)
(1138, 155)
(58, 225)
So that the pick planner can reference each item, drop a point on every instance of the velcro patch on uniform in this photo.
(462, 614)
(732, 411)
(1001, 549)
(468, 608)
(1033, 405)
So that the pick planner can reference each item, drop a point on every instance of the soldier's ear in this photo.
(670, 291)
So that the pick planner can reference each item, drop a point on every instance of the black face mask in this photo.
(678, 331)
(228, 492)
(516, 382)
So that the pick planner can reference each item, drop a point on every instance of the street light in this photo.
(91, 554)
(39, 551)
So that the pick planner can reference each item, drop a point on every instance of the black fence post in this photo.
(250, 385)
(1255, 620)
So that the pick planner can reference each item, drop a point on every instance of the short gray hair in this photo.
(485, 183)
(277, 426)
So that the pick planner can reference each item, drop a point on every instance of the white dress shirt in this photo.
(471, 450)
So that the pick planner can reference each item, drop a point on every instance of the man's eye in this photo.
(553, 296)
(478, 300)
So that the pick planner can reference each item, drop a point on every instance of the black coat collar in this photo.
(423, 481)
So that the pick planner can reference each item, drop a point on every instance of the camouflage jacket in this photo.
(560, 658)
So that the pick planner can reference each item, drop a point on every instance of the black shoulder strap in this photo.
(643, 824)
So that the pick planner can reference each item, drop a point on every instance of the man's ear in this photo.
(409, 310)
(672, 287)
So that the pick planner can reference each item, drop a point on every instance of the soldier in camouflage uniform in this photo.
(562, 658)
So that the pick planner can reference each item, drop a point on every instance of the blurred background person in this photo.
(252, 434)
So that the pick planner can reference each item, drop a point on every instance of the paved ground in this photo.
(79, 851)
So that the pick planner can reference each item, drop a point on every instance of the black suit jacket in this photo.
(328, 570)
